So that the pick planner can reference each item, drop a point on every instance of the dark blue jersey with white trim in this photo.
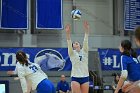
(132, 65)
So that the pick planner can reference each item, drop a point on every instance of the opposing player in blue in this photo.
(130, 69)
(28, 71)
(79, 58)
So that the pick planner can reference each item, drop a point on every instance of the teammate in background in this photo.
(130, 69)
(79, 58)
(28, 71)
(115, 81)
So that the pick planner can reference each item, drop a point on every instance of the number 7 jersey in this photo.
(79, 59)
(79, 64)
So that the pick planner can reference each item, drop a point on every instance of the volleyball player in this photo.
(79, 58)
(32, 72)
(134, 87)
(29, 85)
(130, 69)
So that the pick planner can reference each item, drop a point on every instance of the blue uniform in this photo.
(45, 86)
(80, 80)
(63, 86)
(132, 65)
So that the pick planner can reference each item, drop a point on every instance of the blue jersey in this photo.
(132, 65)
(63, 86)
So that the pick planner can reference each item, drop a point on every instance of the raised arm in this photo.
(70, 49)
(85, 42)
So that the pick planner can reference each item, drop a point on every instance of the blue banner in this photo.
(49, 59)
(111, 59)
(14, 14)
(49, 14)
(131, 14)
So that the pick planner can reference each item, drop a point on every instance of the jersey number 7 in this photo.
(80, 58)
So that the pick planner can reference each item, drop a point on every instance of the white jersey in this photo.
(15, 71)
(31, 73)
(79, 64)
(28, 83)
(79, 60)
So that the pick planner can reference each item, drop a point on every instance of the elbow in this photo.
(124, 74)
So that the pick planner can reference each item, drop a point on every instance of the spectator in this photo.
(115, 82)
(63, 86)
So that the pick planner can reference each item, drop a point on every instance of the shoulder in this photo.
(31, 63)
(124, 57)
(20, 69)
(35, 64)
(18, 65)
(74, 52)
(127, 59)
(83, 51)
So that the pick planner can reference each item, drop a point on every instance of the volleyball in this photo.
(76, 14)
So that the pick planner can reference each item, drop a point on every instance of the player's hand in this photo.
(67, 28)
(128, 87)
(116, 91)
(86, 27)
(10, 72)
(16, 78)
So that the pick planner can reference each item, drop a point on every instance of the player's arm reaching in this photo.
(124, 74)
(85, 43)
(70, 49)
(13, 72)
(21, 75)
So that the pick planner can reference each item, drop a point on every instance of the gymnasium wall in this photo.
(99, 14)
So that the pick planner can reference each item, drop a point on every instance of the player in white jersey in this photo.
(28, 71)
(79, 58)
(29, 85)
